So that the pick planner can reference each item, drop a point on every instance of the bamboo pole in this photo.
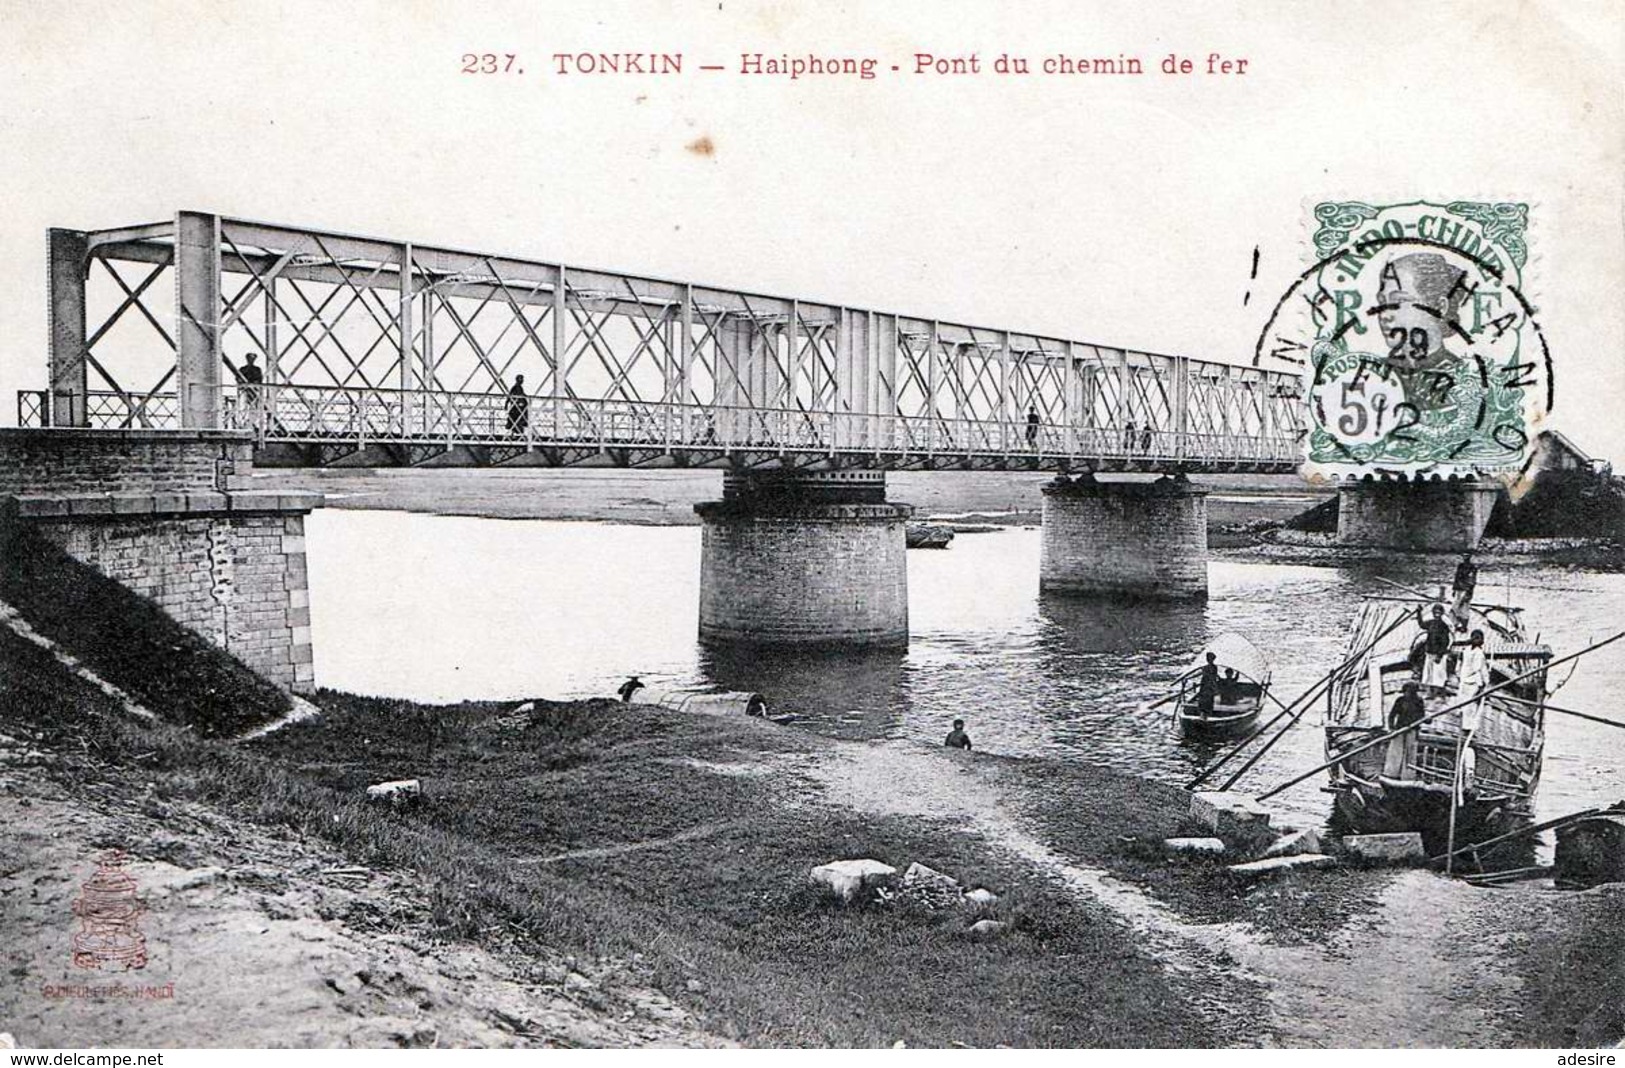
(1390, 735)
(1570, 712)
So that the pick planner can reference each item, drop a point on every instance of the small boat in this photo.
(928, 535)
(1406, 784)
(1591, 851)
(1244, 679)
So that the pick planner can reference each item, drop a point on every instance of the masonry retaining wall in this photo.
(164, 514)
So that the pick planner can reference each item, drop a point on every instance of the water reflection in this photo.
(872, 699)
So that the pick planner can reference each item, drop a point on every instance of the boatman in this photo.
(957, 738)
(1461, 590)
(1474, 677)
(1436, 649)
(1207, 687)
(1408, 710)
(628, 688)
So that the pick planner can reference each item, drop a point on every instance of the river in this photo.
(450, 608)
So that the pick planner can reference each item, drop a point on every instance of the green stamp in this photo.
(1421, 355)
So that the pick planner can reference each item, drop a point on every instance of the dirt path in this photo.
(1428, 969)
(258, 940)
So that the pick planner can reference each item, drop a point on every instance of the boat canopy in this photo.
(1231, 650)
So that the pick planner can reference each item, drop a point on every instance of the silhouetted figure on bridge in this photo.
(1032, 427)
(518, 407)
(1129, 437)
(1145, 438)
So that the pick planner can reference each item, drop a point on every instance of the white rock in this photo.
(1275, 865)
(919, 874)
(981, 898)
(1384, 848)
(1193, 845)
(987, 928)
(399, 792)
(1304, 841)
(1224, 813)
(845, 878)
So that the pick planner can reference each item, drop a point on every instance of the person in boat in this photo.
(1473, 678)
(1436, 648)
(1408, 710)
(631, 686)
(1229, 684)
(1461, 589)
(1207, 687)
(957, 738)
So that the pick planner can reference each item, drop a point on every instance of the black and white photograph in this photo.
(805, 524)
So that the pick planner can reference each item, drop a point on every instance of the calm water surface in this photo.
(445, 608)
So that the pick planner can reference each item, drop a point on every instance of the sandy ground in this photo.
(1429, 968)
(270, 942)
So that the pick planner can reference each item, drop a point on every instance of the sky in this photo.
(1123, 210)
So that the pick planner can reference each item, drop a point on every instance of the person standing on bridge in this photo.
(1130, 437)
(518, 407)
(251, 380)
(1032, 426)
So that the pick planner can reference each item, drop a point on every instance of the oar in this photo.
(1303, 698)
(1480, 695)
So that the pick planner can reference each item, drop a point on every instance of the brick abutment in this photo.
(167, 514)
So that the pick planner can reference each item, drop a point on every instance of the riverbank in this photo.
(667, 498)
(593, 873)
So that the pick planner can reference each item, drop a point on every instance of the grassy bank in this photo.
(723, 920)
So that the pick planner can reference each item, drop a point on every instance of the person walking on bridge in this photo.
(518, 407)
(1032, 426)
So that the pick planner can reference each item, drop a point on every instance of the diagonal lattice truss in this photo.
(307, 336)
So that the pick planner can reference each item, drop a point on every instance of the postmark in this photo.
(1420, 351)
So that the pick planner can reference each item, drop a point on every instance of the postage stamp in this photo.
(1421, 352)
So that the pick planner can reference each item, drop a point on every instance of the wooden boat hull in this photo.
(1221, 726)
(1392, 807)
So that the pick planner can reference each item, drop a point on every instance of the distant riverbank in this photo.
(667, 498)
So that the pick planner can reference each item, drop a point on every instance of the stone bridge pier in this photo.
(1420, 516)
(1124, 539)
(169, 515)
(804, 558)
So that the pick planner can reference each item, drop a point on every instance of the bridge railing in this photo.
(364, 415)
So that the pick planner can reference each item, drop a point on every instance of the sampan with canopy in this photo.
(1228, 707)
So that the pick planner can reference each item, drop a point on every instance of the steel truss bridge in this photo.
(387, 352)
